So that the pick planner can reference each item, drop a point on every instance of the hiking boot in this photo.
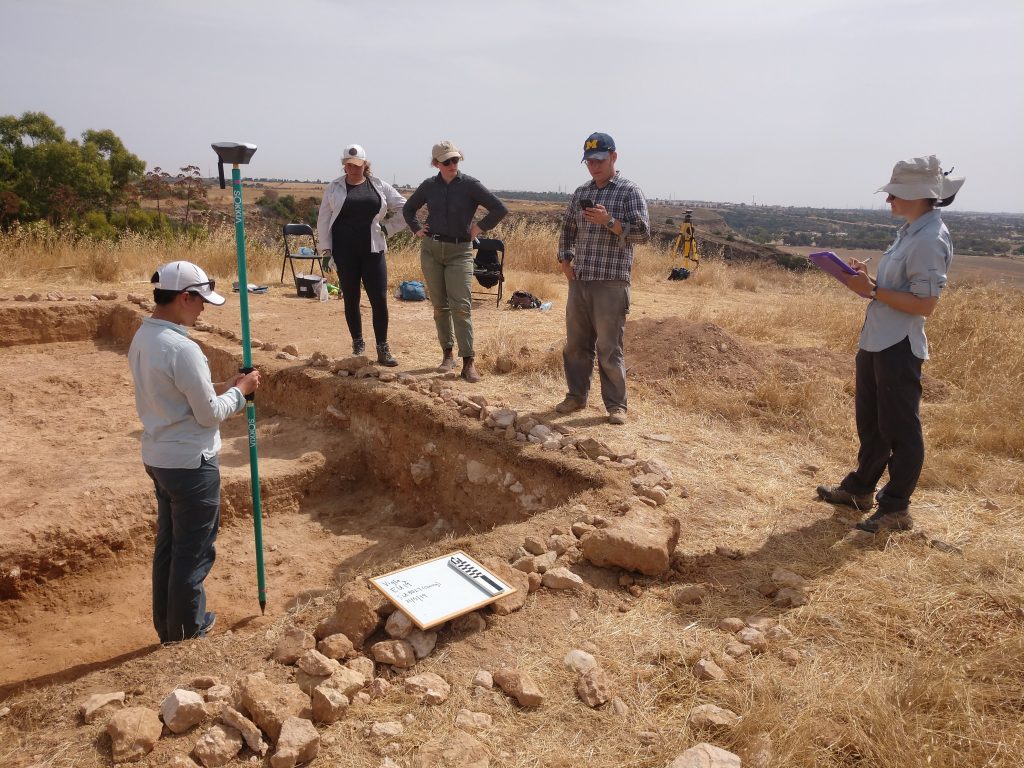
(887, 521)
(569, 405)
(469, 372)
(834, 494)
(384, 356)
(447, 362)
(358, 346)
(617, 416)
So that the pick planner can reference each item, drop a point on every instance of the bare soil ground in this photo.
(76, 518)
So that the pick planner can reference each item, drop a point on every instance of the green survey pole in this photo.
(238, 154)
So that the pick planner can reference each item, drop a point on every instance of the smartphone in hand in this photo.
(586, 203)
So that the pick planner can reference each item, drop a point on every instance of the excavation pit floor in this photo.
(339, 493)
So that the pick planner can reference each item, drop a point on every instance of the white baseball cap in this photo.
(353, 153)
(185, 276)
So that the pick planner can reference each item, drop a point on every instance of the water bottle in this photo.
(321, 291)
(545, 306)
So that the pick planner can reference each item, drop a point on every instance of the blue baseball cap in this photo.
(598, 146)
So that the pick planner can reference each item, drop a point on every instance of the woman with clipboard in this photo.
(905, 291)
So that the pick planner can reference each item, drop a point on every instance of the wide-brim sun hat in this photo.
(354, 154)
(921, 178)
(445, 150)
(185, 276)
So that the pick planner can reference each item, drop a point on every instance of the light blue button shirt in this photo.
(916, 263)
(180, 411)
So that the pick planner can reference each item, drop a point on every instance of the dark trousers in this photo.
(188, 515)
(371, 270)
(595, 324)
(888, 404)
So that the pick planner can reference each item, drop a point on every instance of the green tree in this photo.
(191, 187)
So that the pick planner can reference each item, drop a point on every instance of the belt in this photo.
(446, 239)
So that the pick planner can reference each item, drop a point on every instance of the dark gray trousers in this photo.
(595, 323)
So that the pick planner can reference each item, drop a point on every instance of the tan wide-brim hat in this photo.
(921, 178)
(444, 150)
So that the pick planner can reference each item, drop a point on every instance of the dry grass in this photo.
(911, 656)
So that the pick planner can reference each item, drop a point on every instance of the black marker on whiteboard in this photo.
(481, 580)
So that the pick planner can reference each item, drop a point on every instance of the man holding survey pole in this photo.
(181, 409)
(893, 346)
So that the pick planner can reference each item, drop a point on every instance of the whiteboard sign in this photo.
(435, 591)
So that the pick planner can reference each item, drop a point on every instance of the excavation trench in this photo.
(356, 476)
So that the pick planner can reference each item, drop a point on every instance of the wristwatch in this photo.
(874, 292)
(611, 223)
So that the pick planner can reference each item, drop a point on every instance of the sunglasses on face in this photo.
(451, 161)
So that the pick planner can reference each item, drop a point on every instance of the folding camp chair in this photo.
(489, 266)
(303, 253)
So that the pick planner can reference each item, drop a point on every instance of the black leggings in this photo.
(372, 271)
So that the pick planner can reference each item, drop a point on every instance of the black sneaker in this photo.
(886, 521)
(358, 346)
(834, 494)
(208, 624)
(384, 356)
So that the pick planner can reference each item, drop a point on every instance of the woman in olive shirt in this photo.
(446, 254)
(911, 275)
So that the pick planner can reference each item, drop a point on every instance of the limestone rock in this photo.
(347, 680)
(398, 626)
(100, 705)
(483, 679)
(356, 614)
(580, 661)
(221, 694)
(707, 715)
(593, 687)
(520, 686)
(431, 688)
(336, 646)
(561, 578)
(397, 653)
(619, 708)
(218, 746)
(736, 650)
(790, 598)
(250, 733)
(364, 667)
(706, 669)
(754, 638)
(512, 577)
(204, 682)
(386, 730)
(455, 750)
(307, 682)
(706, 755)
(133, 733)
(790, 656)
(641, 540)
(784, 578)
(732, 624)
(299, 742)
(758, 752)
(292, 644)
(468, 720)
(534, 545)
(422, 642)
(469, 624)
(690, 594)
(314, 663)
(270, 705)
(182, 710)
(329, 704)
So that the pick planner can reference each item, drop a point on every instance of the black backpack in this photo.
(524, 300)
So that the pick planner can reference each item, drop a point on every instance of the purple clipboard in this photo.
(828, 262)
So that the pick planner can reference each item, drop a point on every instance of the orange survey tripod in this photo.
(685, 241)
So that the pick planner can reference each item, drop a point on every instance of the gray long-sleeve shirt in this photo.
(451, 207)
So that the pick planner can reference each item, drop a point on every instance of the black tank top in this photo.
(350, 232)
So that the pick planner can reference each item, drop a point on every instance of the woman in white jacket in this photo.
(357, 212)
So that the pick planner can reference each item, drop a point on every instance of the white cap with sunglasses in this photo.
(183, 276)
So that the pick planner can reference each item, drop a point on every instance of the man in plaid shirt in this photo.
(606, 217)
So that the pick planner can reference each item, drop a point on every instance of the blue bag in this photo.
(412, 290)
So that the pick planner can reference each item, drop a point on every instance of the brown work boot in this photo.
(887, 521)
(469, 372)
(835, 494)
(569, 405)
(617, 416)
(447, 362)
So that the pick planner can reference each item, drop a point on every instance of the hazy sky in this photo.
(792, 102)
